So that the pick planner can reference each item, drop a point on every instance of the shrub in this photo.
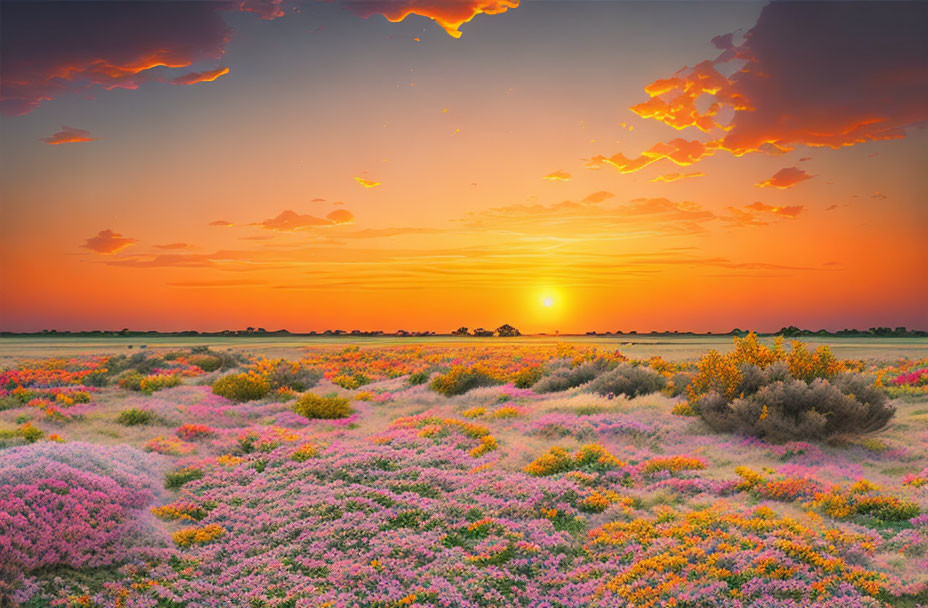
(628, 380)
(329, 407)
(562, 375)
(283, 374)
(178, 477)
(420, 377)
(242, 387)
(198, 535)
(131, 381)
(678, 384)
(351, 382)
(208, 363)
(150, 384)
(135, 416)
(460, 379)
(528, 376)
(795, 410)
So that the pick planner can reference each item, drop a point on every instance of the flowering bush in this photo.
(242, 387)
(311, 405)
(629, 380)
(459, 379)
(72, 504)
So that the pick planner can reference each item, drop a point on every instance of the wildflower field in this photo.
(472, 475)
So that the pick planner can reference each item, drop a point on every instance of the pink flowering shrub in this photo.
(72, 504)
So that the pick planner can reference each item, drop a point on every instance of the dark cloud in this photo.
(828, 74)
(107, 242)
(52, 48)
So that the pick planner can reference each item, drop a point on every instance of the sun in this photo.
(547, 301)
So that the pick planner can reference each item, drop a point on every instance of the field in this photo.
(535, 472)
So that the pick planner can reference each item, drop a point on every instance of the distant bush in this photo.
(528, 376)
(329, 407)
(242, 387)
(208, 363)
(561, 375)
(420, 377)
(292, 375)
(460, 379)
(678, 384)
(628, 380)
(352, 381)
(134, 417)
(135, 381)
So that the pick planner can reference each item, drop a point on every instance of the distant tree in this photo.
(482, 333)
(460, 331)
(507, 331)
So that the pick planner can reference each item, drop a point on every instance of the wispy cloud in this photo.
(69, 135)
(785, 178)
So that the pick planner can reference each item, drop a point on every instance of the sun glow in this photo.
(547, 301)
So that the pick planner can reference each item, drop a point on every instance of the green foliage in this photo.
(329, 407)
(628, 380)
(178, 477)
(135, 416)
(420, 377)
(208, 363)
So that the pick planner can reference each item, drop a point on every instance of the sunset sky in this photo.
(420, 165)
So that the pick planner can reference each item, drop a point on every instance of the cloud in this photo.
(107, 242)
(222, 223)
(672, 177)
(195, 77)
(790, 212)
(681, 151)
(290, 221)
(175, 246)
(367, 183)
(69, 135)
(757, 214)
(449, 15)
(827, 74)
(785, 178)
(597, 197)
(558, 175)
(52, 48)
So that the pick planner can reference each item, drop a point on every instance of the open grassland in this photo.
(476, 474)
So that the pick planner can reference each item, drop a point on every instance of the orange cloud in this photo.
(221, 223)
(290, 221)
(785, 178)
(449, 15)
(597, 197)
(367, 183)
(558, 175)
(681, 151)
(195, 77)
(672, 177)
(790, 212)
(69, 135)
(174, 246)
(815, 74)
(107, 242)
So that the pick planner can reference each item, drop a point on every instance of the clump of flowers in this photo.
(190, 432)
(672, 464)
(171, 446)
(305, 452)
(591, 457)
(180, 510)
(196, 535)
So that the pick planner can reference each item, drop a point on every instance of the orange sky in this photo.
(320, 168)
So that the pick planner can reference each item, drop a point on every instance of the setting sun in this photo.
(547, 301)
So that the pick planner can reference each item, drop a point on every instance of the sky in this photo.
(423, 165)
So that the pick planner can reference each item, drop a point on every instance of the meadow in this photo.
(547, 473)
